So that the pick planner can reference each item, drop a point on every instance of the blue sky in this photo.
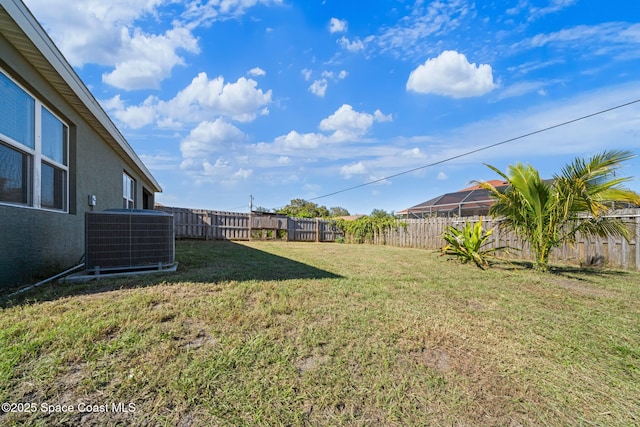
(283, 99)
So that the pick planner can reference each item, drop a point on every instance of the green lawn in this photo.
(274, 333)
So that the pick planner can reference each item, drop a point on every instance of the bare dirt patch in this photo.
(434, 358)
(311, 362)
(584, 289)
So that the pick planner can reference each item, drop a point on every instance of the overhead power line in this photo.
(486, 147)
(237, 207)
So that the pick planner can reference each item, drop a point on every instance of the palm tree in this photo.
(548, 213)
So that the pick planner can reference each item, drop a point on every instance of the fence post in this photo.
(637, 240)
(317, 230)
(286, 221)
(207, 225)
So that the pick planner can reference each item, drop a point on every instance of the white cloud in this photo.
(517, 9)
(242, 173)
(219, 168)
(344, 125)
(414, 153)
(319, 87)
(337, 25)
(353, 169)
(210, 137)
(203, 150)
(90, 31)
(608, 36)
(219, 172)
(241, 101)
(114, 103)
(295, 140)
(306, 73)
(521, 88)
(105, 33)
(346, 119)
(198, 13)
(200, 100)
(553, 7)
(116, 34)
(450, 74)
(134, 116)
(442, 176)
(145, 60)
(422, 31)
(528, 67)
(352, 46)
(378, 116)
(257, 71)
(161, 161)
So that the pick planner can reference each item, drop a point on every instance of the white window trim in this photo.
(132, 187)
(35, 190)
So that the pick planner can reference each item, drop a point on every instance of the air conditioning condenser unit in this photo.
(129, 240)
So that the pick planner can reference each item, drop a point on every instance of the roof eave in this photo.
(42, 53)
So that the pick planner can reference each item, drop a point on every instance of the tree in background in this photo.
(381, 213)
(261, 209)
(300, 208)
(549, 213)
(338, 211)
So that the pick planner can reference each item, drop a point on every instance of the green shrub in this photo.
(467, 244)
(367, 228)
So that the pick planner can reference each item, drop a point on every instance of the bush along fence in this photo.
(586, 251)
(217, 225)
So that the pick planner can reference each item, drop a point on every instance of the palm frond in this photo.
(549, 213)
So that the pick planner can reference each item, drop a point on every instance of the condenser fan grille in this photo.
(128, 240)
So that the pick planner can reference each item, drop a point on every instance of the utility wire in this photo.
(506, 141)
(237, 207)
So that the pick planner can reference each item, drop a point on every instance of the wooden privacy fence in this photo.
(206, 224)
(614, 252)
(416, 233)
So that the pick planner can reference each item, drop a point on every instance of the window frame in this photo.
(36, 158)
(128, 186)
(26, 172)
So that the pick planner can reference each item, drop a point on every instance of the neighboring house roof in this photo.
(349, 217)
(24, 32)
(495, 182)
(471, 200)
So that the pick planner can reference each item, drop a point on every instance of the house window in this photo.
(53, 181)
(34, 144)
(128, 191)
(14, 176)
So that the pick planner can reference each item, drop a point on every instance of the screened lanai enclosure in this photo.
(470, 201)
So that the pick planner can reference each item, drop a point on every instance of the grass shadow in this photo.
(582, 273)
(199, 262)
(575, 272)
(225, 261)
